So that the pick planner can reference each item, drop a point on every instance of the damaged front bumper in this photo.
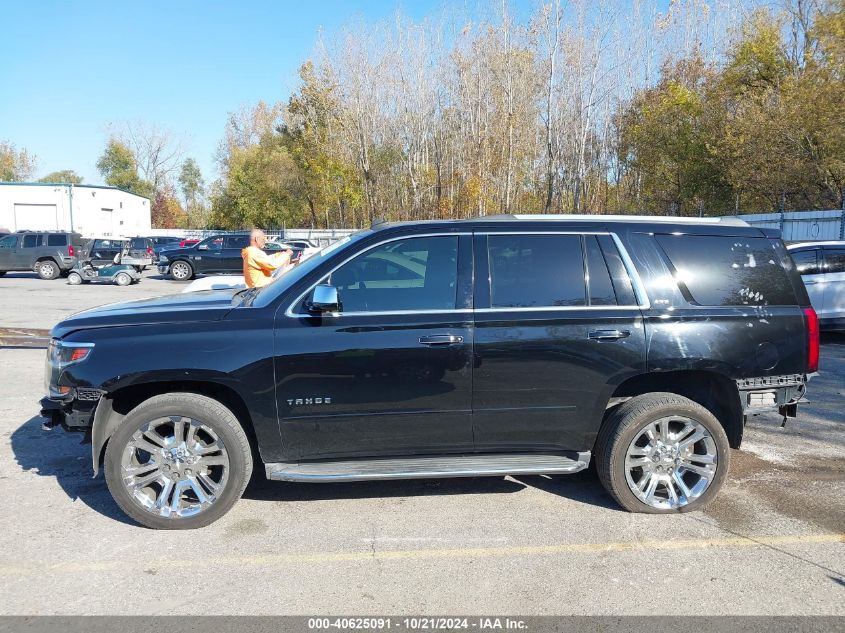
(75, 412)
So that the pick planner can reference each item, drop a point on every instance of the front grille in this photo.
(88, 394)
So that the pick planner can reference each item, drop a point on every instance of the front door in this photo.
(231, 259)
(556, 327)
(207, 255)
(390, 374)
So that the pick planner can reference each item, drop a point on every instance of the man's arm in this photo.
(270, 263)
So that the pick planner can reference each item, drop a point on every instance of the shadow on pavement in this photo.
(60, 455)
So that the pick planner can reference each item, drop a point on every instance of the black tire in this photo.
(180, 265)
(627, 421)
(197, 407)
(3, 272)
(47, 269)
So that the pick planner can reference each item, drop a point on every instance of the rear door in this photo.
(833, 312)
(232, 261)
(557, 327)
(810, 266)
(28, 250)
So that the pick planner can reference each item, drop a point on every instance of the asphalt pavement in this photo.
(772, 543)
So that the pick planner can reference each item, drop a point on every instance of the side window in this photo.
(56, 240)
(213, 243)
(528, 271)
(728, 271)
(418, 273)
(807, 261)
(618, 274)
(236, 241)
(598, 277)
(9, 241)
(31, 241)
(834, 259)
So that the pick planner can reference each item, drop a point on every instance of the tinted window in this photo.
(57, 240)
(29, 241)
(9, 241)
(728, 271)
(807, 262)
(138, 242)
(213, 243)
(237, 241)
(536, 271)
(413, 274)
(598, 277)
(834, 259)
(618, 274)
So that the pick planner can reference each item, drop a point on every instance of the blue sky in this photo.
(70, 68)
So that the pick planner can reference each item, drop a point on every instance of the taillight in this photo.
(812, 340)
(149, 251)
(70, 251)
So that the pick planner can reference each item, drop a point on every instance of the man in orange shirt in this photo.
(258, 265)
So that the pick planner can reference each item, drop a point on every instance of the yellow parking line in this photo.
(264, 560)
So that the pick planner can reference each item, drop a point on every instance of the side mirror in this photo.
(324, 299)
(202, 247)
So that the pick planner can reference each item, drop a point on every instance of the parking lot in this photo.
(773, 542)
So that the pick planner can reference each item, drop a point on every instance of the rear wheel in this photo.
(178, 461)
(74, 279)
(122, 279)
(181, 270)
(661, 453)
(47, 269)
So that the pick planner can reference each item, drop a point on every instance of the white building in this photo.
(93, 211)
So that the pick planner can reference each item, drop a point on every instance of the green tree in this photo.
(66, 176)
(191, 182)
(119, 168)
(15, 165)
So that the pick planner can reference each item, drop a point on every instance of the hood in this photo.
(207, 305)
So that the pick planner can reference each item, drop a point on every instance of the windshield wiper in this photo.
(248, 295)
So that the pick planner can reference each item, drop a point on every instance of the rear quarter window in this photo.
(834, 260)
(728, 271)
(57, 240)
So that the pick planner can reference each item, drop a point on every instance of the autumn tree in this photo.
(67, 176)
(16, 165)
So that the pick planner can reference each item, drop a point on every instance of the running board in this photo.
(425, 467)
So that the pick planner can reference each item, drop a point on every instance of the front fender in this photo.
(106, 420)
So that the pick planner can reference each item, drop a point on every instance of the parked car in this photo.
(218, 282)
(822, 267)
(140, 253)
(218, 254)
(509, 345)
(161, 243)
(48, 253)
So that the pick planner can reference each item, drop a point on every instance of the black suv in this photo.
(495, 346)
(49, 253)
(215, 254)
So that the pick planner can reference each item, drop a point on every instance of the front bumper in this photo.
(164, 269)
(72, 413)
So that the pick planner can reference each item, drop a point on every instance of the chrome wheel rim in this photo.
(180, 270)
(175, 467)
(123, 279)
(671, 462)
(74, 279)
(46, 270)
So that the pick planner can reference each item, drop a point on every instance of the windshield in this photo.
(284, 281)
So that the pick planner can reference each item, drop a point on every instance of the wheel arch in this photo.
(713, 390)
(114, 406)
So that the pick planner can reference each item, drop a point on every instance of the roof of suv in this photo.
(816, 244)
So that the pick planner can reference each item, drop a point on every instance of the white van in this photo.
(822, 267)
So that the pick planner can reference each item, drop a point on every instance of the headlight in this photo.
(61, 354)
(162, 259)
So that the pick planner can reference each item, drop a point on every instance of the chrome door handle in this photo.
(608, 335)
(441, 339)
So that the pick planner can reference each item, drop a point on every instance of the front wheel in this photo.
(662, 453)
(181, 271)
(178, 461)
(74, 279)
